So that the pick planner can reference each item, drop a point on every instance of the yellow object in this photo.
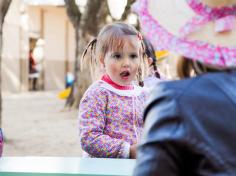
(160, 55)
(65, 93)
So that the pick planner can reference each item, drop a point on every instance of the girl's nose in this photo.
(126, 62)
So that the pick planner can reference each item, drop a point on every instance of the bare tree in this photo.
(86, 25)
(74, 15)
(127, 9)
(4, 5)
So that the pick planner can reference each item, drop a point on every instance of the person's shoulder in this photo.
(190, 86)
(175, 88)
(182, 90)
(165, 97)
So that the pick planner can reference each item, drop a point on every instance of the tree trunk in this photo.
(127, 10)
(74, 16)
(4, 5)
(88, 26)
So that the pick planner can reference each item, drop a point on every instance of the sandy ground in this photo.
(35, 124)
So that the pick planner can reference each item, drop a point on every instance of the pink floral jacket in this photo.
(110, 120)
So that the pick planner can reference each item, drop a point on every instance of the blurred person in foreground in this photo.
(190, 123)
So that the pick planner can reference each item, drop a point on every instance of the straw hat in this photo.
(203, 30)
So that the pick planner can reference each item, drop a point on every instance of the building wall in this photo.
(58, 36)
(50, 25)
(11, 50)
(54, 35)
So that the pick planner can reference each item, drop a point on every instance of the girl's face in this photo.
(122, 64)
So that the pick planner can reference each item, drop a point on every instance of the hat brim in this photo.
(162, 29)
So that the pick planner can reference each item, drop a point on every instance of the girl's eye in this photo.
(116, 56)
(133, 56)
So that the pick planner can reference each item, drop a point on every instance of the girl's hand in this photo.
(132, 151)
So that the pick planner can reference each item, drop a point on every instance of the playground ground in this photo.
(36, 124)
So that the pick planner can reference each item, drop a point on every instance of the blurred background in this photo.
(41, 80)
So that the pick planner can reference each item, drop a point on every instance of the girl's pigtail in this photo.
(139, 77)
(143, 69)
(91, 59)
(157, 74)
(91, 47)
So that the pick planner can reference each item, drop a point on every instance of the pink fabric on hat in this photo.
(225, 24)
(223, 17)
(194, 24)
(204, 10)
(223, 57)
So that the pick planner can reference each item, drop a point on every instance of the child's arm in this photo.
(133, 149)
(92, 116)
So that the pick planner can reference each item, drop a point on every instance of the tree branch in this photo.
(73, 12)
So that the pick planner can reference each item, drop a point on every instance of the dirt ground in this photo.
(35, 124)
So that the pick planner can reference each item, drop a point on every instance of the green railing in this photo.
(65, 166)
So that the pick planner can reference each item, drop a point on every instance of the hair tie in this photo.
(140, 36)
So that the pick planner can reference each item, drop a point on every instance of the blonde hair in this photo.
(110, 38)
(184, 67)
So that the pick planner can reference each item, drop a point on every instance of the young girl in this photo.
(154, 76)
(110, 111)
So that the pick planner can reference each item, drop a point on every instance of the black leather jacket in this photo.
(190, 128)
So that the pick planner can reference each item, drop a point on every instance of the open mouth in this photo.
(125, 74)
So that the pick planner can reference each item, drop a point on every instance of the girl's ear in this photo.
(101, 60)
(102, 66)
(149, 59)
